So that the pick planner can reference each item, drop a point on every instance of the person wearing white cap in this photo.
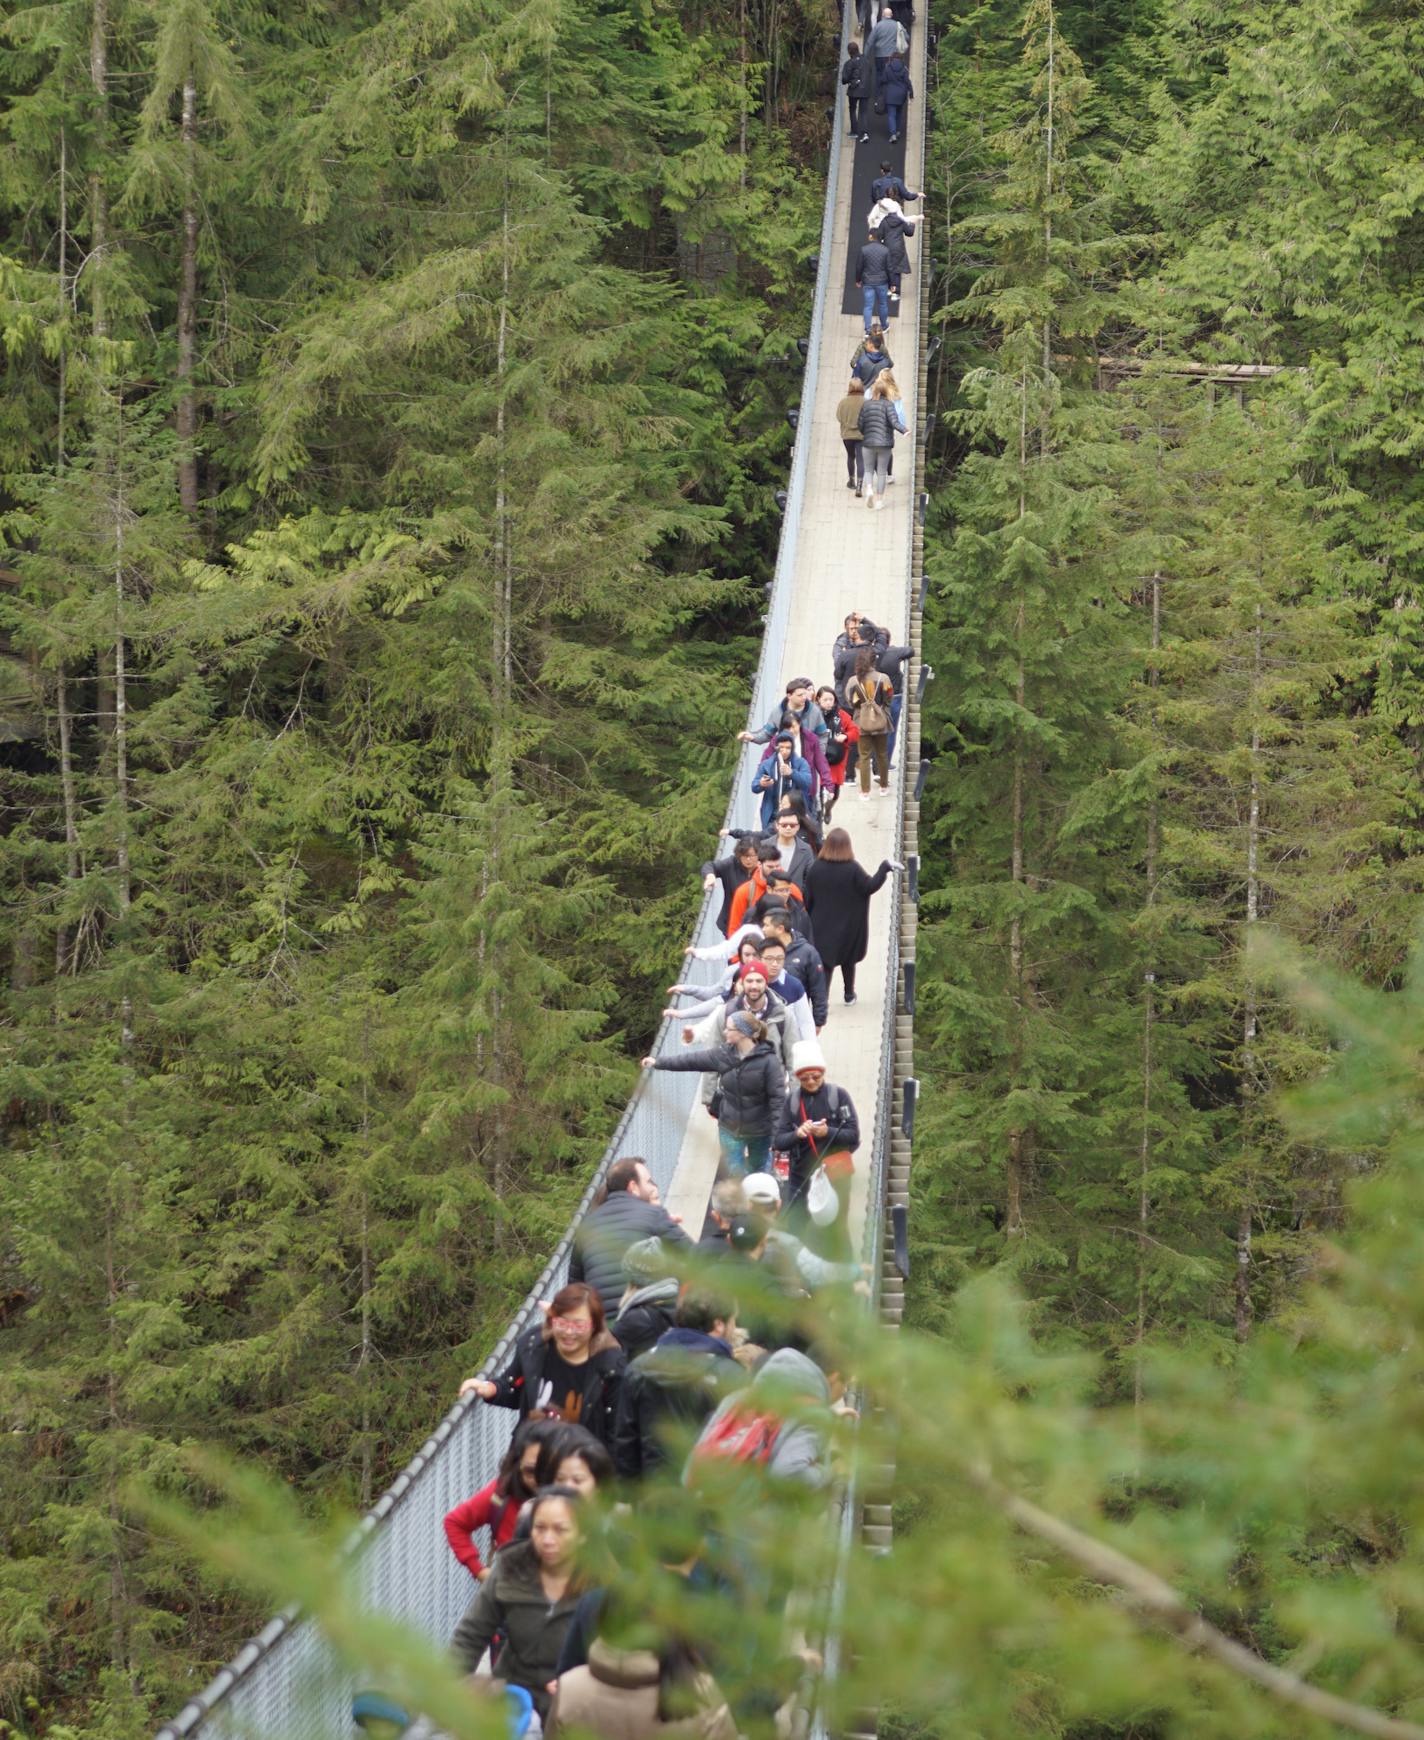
(818, 1127)
(762, 1192)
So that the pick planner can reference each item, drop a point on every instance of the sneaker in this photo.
(865, 797)
(894, 295)
(889, 482)
(864, 139)
(870, 501)
(882, 791)
(849, 484)
(858, 492)
(850, 996)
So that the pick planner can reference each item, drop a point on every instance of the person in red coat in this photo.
(496, 1507)
(844, 735)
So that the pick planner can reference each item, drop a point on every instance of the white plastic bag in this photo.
(822, 1203)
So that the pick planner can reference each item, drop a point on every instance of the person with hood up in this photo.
(529, 1598)
(780, 1423)
(675, 1385)
(629, 1209)
(839, 895)
(818, 1127)
(855, 76)
(895, 90)
(730, 872)
(872, 279)
(750, 1083)
(782, 772)
(568, 1367)
(848, 417)
(646, 1309)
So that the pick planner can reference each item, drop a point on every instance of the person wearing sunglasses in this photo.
(567, 1367)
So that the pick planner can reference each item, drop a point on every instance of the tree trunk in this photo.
(61, 680)
(98, 197)
(1250, 1013)
(187, 419)
(1018, 1144)
(1149, 1020)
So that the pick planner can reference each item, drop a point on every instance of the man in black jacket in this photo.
(855, 76)
(802, 960)
(891, 663)
(872, 279)
(629, 1211)
(888, 185)
(670, 1391)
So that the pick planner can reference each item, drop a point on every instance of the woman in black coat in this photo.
(838, 895)
(894, 227)
(751, 1084)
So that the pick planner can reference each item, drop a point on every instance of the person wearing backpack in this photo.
(868, 696)
(496, 1506)
(781, 1423)
(674, 1386)
(818, 1128)
(855, 76)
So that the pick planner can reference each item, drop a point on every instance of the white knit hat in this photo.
(806, 1054)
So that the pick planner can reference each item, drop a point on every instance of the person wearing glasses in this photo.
(569, 1367)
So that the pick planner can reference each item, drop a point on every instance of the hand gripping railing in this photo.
(285, 1682)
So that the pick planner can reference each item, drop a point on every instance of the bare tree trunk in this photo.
(98, 197)
(742, 135)
(1047, 198)
(187, 419)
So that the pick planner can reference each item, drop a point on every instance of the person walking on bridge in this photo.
(848, 416)
(872, 279)
(893, 84)
(877, 434)
(751, 1082)
(889, 185)
(839, 898)
(855, 76)
(887, 38)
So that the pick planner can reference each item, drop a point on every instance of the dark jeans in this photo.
(855, 463)
(857, 113)
(892, 118)
(895, 704)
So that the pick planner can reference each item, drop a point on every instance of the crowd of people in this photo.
(673, 1356)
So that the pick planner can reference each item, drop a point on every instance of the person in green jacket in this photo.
(530, 1595)
(848, 416)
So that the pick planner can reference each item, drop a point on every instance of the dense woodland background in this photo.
(392, 400)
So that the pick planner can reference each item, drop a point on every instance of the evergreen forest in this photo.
(393, 404)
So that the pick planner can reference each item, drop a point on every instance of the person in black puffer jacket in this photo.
(878, 430)
(629, 1211)
(674, 1386)
(751, 1080)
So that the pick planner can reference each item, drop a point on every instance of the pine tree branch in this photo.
(1155, 1598)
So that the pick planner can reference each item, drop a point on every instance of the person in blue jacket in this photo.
(781, 773)
(895, 91)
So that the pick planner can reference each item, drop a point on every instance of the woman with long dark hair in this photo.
(838, 895)
(496, 1507)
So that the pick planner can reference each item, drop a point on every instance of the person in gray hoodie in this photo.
(797, 1399)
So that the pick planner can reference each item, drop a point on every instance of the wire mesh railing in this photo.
(286, 1682)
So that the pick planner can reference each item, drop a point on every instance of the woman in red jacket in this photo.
(844, 735)
(496, 1507)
